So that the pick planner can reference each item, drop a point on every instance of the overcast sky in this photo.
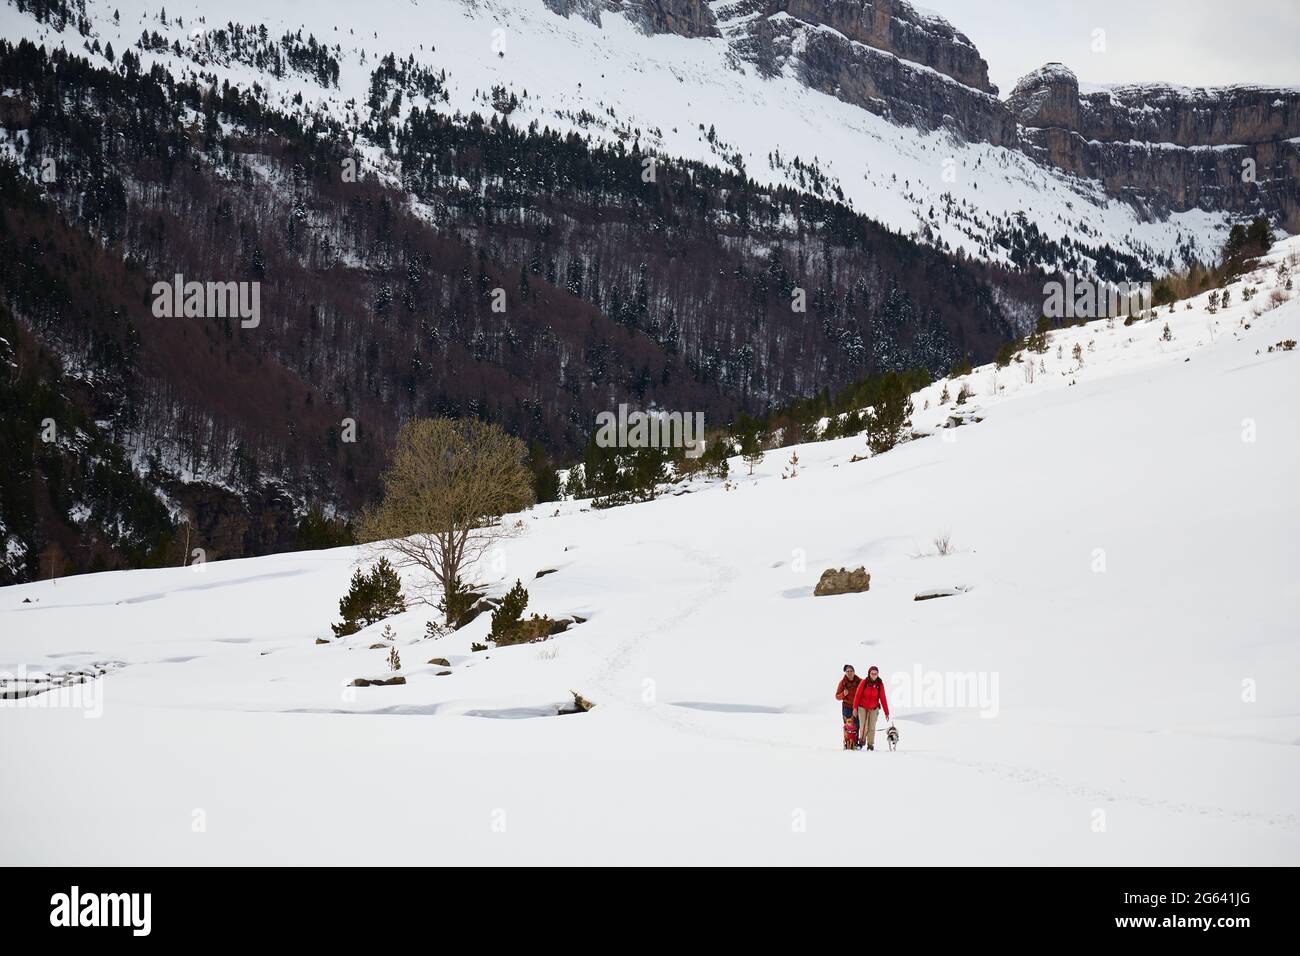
(1193, 42)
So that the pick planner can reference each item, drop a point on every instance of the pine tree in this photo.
(456, 601)
(507, 614)
(370, 598)
(891, 415)
(751, 444)
(649, 470)
(1037, 340)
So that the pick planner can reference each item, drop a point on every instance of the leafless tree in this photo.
(446, 487)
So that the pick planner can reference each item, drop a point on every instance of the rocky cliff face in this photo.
(896, 89)
(896, 27)
(881, 55)
(688, 18)
(1162, 148)
(1167, 147)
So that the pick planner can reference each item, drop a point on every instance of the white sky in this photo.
(1192, 42)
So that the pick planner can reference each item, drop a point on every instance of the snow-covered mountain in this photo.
(873, 102)
(528, 211)
(1108, 680)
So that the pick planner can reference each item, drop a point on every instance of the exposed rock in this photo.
(896, 27)
(587, 9)
(544, 572)
(842, 582)
(1049, 96)
(535, 628)
(261, 520)
(321, 640)
(442, 673)
(1168, 148)
(580, 705)
(962, 418)
(440, 662)
(378, 647)
(480, 605)
(1161, 148)
(933, 593)
(899, 90)
(379, 682)
(687, 18)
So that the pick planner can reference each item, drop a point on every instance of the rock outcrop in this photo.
(842, 582)
(1168, 148)
(687, 18)
(378, 681)
(884, 84)
(896, 27)
(882, 55)
(1161, 148)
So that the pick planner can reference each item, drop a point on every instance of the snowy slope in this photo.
(1124, 530)
(613, 82)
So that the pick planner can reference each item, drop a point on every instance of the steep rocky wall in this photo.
(688, 18)
(1168, 147)
(895, 27)
(1237, 115)
(893, 88)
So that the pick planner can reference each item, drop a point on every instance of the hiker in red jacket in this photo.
(867, 704)
(845, 692)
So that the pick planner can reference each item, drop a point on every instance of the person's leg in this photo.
(862, 724)
(871, 726)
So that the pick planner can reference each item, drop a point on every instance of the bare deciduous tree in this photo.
(446, 487)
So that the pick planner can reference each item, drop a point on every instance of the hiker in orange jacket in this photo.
(845, 691)
(868, 701)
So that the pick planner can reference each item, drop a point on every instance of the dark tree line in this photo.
(558, 281)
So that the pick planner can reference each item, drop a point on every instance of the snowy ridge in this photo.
(1121, 570)
(613, 82)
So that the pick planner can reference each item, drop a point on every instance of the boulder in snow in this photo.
(378, 682)
(842, 582)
